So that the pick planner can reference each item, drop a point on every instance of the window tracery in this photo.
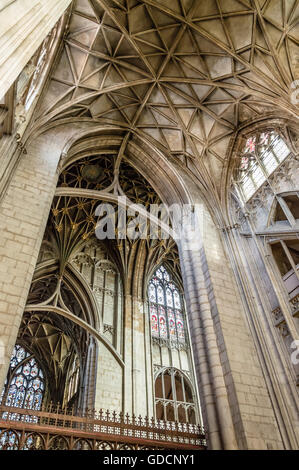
(166, 308)
(262, 154)
(25, 384)
(174, 397)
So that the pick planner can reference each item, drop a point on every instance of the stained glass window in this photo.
(9, 440)
(166, 313)
(171, 322)
(24, 386)
(250, 145)
(154, 320)
(262, 154)
(162, 322)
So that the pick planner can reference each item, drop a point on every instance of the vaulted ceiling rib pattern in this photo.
(184, 74)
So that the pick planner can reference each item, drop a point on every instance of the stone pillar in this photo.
(24, 24)
(24, 210)
(213, 394)
(142, 367)
(127, 355)
(236, 404)
(138, 393)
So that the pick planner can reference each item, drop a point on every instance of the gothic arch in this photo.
(182, 396)
(77, 284)
(141, 154)
(78, 321)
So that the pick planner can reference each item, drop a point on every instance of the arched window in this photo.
(166, 308)
(174, 397)
(25, 386)
(262, 154)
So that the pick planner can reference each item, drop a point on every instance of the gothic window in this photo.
(166, 308)
(174, 397)
(25, 385)
(261, 155)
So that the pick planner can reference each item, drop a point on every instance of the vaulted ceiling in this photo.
(182, 74)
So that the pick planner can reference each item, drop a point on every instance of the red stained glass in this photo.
(165, 307)
(171, 322)
(180, 326)
(162, 323)
(250, 145)
(264, 138)
(262, 154)
(244, 163)
(154, 321)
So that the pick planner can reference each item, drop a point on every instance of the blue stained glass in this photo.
(20, 396)
(26, 369)
(9, 441)
(26, 386)
(29, 399)
(20, 354)
(11, 395)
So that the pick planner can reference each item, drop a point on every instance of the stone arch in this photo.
(77, 284)
(140, 152)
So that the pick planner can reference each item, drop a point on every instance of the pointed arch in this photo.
(175, 397)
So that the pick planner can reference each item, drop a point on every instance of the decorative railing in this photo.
(55, 429)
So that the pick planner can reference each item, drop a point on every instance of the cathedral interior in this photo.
(143, 340)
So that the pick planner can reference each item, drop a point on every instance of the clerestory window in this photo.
(262, 154)
(166, 308)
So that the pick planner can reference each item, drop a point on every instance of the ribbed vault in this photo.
(182, 74)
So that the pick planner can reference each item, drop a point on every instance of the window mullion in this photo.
(157, 308)
(175, 402)
(290, 258)
(276, 157)
(166, 309)
(163, 387)
(286, 210)
(175, 318)
(183, 388)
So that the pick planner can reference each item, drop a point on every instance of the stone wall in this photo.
(109, 382)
